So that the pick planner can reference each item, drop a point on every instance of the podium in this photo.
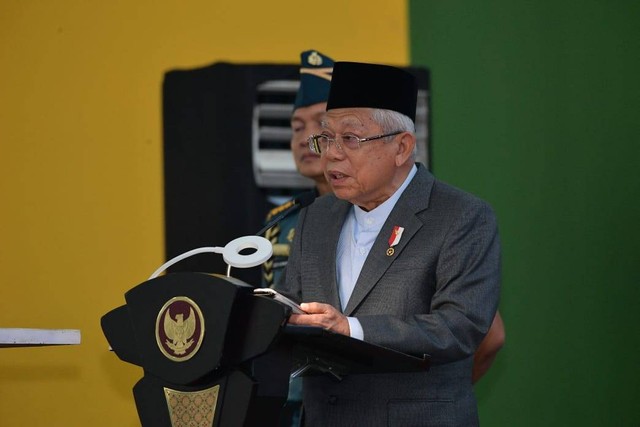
(215, 354)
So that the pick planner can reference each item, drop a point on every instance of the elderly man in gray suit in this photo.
(394, 257)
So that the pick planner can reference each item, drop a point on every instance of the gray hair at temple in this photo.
(391, 121)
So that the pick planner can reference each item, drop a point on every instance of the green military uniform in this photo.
(280, 236)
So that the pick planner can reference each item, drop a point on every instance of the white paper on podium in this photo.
(271, 293)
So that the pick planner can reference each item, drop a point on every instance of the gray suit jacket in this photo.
(437, 295)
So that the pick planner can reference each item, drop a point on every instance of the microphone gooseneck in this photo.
(305, 199)
(302, 201)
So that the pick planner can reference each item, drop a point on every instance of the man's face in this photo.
(366, 176)
(305, 122)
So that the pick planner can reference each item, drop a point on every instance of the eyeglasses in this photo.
(320, 143)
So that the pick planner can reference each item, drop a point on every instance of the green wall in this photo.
(535, 109)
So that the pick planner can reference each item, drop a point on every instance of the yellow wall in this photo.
(81, 165)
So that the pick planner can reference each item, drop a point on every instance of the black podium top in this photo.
(327, 352)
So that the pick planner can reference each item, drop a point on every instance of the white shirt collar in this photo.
(375, 218)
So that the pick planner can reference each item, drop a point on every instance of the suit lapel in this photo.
(331, 233)
(414, 199)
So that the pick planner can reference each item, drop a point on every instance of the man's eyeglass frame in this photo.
(314, 141)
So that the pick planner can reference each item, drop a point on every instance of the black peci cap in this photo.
(360, 85)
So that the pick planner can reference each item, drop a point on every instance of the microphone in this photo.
(302, 201)
(232, 251)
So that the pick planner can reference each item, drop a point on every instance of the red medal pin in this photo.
(394, 239)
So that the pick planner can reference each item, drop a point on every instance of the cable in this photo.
(231, 253)
(206, 249)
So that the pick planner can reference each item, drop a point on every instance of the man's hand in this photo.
(322, 315)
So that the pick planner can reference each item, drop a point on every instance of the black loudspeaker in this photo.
(210, 193)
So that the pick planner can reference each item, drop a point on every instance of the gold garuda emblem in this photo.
(179, 329)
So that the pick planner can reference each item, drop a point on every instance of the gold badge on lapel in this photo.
(394, 239)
